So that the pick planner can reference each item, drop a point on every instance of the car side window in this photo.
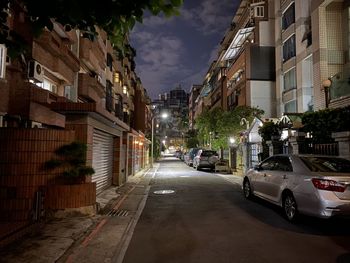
(283, 164)
(269, 164)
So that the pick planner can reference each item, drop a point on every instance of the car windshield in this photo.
(327, 164)
(209, 153)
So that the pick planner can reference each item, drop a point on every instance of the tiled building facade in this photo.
(66, 89)
(277, 55)
(312, 45)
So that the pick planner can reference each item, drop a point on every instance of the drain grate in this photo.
(120, 213)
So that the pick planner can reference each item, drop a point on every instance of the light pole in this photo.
(244, 121)
(327, 83)
(163, 116)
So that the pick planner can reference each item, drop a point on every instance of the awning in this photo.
(237, 42)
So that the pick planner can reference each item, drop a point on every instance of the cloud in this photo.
(154, 21)
(210, 16)
(160, 63)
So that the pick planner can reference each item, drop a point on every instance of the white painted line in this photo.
(131, 226)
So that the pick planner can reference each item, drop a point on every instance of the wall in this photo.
(23, 153)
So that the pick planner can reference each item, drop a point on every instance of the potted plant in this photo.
(72, 160)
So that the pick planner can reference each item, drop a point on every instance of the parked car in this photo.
(178, 153)
(190, 155)
(312, 185)
(205, 159)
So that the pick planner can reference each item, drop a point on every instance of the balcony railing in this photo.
(90, 88)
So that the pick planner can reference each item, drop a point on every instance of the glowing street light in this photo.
(164, 115)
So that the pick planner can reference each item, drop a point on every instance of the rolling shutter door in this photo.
(102, 160)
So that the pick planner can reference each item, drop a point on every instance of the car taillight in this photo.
(328, 185)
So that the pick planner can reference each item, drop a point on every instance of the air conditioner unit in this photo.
(35, 124)
(35, 71)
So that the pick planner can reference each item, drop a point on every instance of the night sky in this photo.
(179, 50)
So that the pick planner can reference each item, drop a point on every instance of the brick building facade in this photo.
(67, 88)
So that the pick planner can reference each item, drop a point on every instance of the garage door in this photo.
(102, 159)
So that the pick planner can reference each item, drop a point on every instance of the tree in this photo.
(322, 123)
(116, 18)
(217, 125)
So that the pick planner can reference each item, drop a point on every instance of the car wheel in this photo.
(290, 207)
(197, 168)
(247, 190)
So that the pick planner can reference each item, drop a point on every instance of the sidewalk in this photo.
(59, 237)
(103, 236)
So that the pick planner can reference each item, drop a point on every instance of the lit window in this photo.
(125, 90)
(2, 60)
(117, 77)
(48, 85)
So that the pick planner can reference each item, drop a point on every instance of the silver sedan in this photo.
(312, 185)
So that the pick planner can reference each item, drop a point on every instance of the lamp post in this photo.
(244, 121)
(327, 83)
(163, 116)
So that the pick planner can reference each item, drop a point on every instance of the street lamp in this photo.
(244, 121)
(164, 115)
(327, 83)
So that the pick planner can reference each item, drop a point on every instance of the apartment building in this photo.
(67, 88)
(194, 93)
(244, 72)
(312, 45)
(249, 55)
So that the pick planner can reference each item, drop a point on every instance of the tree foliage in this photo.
(322, 123)
(116, 18)
(217, 126)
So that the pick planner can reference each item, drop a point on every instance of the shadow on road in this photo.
(273, 215)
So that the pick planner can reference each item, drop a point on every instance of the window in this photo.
(290, 106)
(288, 17)
(117, 78)
(109, 61)
(119, 106)
(109, 97)
(289, 80)
(48, 85)
(327, 164)
(283, 164)
(68, 90)
(269, 164)
(2, 61)
(289, 48)
(126, 90)
(259, 11)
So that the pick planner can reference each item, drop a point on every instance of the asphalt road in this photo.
(207, 219)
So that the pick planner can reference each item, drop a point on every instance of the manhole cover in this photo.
(164, 192)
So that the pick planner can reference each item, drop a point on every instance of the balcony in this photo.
(90, 88)
(59, 50)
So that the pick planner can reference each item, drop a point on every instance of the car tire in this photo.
(290, 208)
(247, 190)
(198, 168)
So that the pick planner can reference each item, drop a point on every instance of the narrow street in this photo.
(207, 219)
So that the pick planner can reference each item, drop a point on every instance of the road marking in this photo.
(93, 233)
